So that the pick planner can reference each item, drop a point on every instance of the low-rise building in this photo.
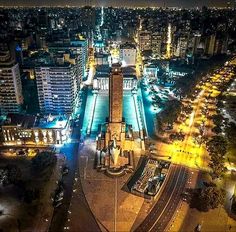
(19, 129)
(101, 79)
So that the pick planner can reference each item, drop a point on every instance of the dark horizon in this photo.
(120, 3)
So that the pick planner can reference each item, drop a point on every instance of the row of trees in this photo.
(208, 197)
(30, 187)
(169, 115)
(185, 86)
(217, 148)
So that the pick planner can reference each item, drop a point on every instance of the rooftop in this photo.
(52, 122)
(25, 121)
(127, 46)
(31, 121)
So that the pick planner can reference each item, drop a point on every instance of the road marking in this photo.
(115, 213)
(85, 168)
(168, 200)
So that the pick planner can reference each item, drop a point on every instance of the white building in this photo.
(77, 47)
(128, 54)
(10, 84)
(20, 129)
(57, 87)
(151, 71)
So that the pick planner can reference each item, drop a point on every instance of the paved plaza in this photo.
(108, 197)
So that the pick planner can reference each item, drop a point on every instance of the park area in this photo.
(26, 185)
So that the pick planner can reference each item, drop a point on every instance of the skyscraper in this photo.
(156, 44)
(57, 87)
(10, 84)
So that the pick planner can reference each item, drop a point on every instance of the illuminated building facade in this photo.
(101, 79)
(145, 39)
(128, 54)
(57, 87)
(78, 47)
(31, 130)
(11, 96)
(156, 44)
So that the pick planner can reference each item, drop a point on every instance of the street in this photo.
(162, 212)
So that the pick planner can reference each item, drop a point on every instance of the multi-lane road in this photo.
(170, 197)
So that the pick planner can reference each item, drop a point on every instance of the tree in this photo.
(217, 119)
(217, 129)
(31, 194)
(171, 112)
(185, 85)
(42, 161)
(210, 198)
(233, 206)
(231, 133)
(218, 168)
(13, 173)
(217, 145)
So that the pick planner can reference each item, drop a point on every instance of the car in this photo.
(21, 152)
(57, 204)
(57, 199)
(199, 227)
(65, 171)
(153, 152)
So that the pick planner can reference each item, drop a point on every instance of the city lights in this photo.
(117, 116)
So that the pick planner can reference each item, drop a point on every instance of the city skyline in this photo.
(121, 3)
(117, 118)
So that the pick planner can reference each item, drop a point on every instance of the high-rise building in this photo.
(156, 44)
(57, 87)
(196, 42)
(210, 45)
(77, 47)
(128, 54)
(145, 39)
(182, 46)
(11, 97)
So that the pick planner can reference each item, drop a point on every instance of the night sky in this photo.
(179, 3)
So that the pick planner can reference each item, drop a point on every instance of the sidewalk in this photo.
(46, 209)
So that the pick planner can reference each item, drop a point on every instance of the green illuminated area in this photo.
(101, 111)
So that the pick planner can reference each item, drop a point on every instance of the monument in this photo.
(115, 139)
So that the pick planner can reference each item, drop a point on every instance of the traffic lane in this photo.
(158, 208)
(60, 213)
(80, 217)
(71, 151)
(172, 206)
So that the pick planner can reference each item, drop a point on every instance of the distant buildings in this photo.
(11, 97)
(145, 39)
(156, 44)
